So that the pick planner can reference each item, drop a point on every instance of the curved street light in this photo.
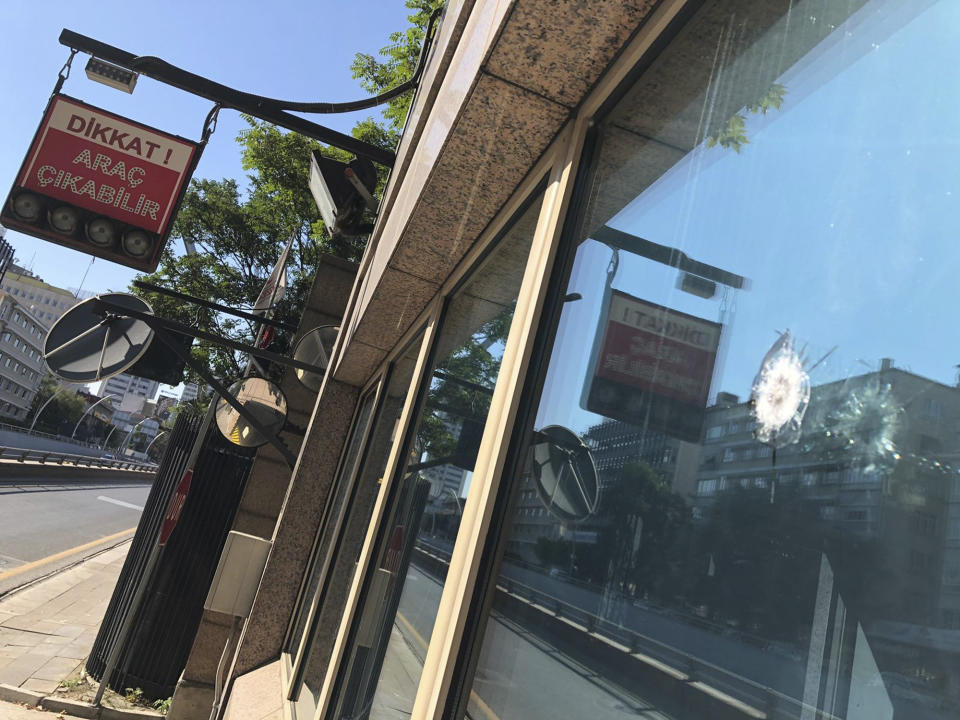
(87, 412)
(155, 438)
(103, 445)
(44, 406)
(123, 445)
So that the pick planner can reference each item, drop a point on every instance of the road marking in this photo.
(64, 553)
(121, 503)
(481, 705)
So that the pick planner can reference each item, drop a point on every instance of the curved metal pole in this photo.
(87, 412)
(457, 498)
(123, 445)
(155, 438)
(103, 445)
(44, 406)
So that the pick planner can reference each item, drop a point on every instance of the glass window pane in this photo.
(738, 499)
(345, 526)
(331, 518)
(384, 659)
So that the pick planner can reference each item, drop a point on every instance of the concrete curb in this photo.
(9, 693)
(74, 708)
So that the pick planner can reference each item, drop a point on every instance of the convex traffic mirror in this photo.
(264, 401)
(315, 348)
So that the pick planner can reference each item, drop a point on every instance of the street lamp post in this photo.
(87, 412)
(123, 445)
(44, 406)
(155, 438)
(103, 445)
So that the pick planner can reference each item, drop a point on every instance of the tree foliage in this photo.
(399, 60)
(63, 411)
(240, 231)
(734, 132)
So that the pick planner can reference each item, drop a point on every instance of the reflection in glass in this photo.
(344, 525)
(769, 220)
(264, 401)
(384, 659)
(333, 513)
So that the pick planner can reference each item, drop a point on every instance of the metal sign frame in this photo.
(94, 190)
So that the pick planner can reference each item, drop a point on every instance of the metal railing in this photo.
(749, 698)
(48, 436)
(53, 457)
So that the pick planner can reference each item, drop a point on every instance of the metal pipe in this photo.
(154, 321)
(212, 305)
(162, 71)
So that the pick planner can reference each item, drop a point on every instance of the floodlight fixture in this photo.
(137, 244)
(64, 219)
(27, 207)
(342, 192)
(112, 75)
(101, 232)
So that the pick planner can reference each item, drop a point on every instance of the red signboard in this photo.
(101, 184)
(175, 507)
(653, 367)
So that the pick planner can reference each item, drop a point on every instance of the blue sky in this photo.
(292, 50)
(842, 212)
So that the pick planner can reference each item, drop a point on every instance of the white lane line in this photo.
(121, 503)
(11, 557)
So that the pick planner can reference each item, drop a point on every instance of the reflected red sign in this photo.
(104, 166)
(654, 367)
(175, 507)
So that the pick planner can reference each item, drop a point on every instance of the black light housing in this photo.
(342, 192)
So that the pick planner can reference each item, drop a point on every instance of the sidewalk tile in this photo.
(71, 631)
(57, 668)
(18, 671)
(42, 686)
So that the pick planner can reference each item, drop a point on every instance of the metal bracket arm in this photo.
(150, 287)
(228, 97)
(156, 323)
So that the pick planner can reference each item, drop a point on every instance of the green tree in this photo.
(399, 60)
(733, 134)
(65, 409)
(239, 232)
(643, 520)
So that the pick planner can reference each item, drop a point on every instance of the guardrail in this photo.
(53, 457)
(48, 436)
(742, 695)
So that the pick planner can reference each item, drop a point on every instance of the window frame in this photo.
(560, 163)
(293, 665)
(294, 660)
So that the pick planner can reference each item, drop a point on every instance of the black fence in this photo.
(157, 647)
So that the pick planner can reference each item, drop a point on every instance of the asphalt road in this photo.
(519, 675)
(45, 527)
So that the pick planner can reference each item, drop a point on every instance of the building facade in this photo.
(21, 356)
(28, 308)
(624, 279)
(46, 302)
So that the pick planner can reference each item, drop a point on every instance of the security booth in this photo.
(639, 405)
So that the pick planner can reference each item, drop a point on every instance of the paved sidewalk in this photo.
(48, 629)
(10, 711)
